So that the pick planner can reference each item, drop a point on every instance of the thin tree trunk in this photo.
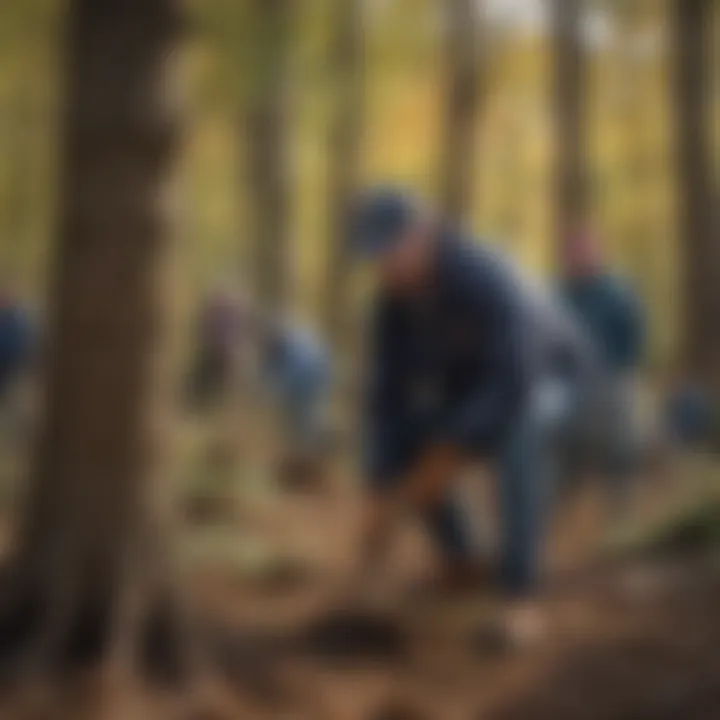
(344, 157)
(570, 122)
(462, 104)
(268, 150)
(632, 73)
(97, 512)
(699, 237)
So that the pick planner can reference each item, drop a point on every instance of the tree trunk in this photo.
(463, 94)
(92, 563)
(344, 157)
(699, 236)
(570, 122)
(267, 148)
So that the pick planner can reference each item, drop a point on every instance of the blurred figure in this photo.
(469, 362)
(224, 339)
(18, 341)
(607, 438)
(221, 376)
(297, 369)
(689, 416)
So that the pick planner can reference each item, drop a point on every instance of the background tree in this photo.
(93, 570)
(570, 106)
(463, 93)
(631, 89)
(346, 62)
(700, 254)
(266, 118)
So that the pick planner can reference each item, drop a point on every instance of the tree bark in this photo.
(700, 239)
(462, 104)
(268, 150)
(570, 121)
(92, 552)
(344, 157)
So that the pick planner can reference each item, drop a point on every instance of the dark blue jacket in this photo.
(613, 316)
(459, 361)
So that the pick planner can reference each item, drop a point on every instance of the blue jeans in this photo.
(526, 470)
(526, 461)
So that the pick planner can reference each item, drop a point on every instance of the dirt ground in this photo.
(625, 641)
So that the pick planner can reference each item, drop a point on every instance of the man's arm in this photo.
(493, 300)
(423, 488)
(630, 326)
(383, 405)
(393, 487)
(431, 476)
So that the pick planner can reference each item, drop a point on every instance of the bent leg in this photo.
(525, 489)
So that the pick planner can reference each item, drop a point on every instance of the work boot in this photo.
(520, 627)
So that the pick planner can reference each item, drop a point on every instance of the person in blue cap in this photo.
(469, 361)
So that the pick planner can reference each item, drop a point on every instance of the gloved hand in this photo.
(431, 477)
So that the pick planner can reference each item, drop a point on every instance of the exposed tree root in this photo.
(85, 642)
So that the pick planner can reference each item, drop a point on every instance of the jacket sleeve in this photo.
(629, 327)
(494, 298)
(383, 411)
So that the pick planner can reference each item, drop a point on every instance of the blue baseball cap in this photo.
(379, 218)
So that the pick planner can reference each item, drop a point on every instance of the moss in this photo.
(693, 529)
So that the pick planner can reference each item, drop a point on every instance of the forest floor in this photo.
(627, 639)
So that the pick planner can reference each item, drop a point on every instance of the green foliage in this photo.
(694, 529)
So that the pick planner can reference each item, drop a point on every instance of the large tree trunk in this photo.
(92, 563)
(344, 157)
(268, 150)
(700, 240)
(463, 94)
(570, 123)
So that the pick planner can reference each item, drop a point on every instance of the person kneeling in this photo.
(469, 360)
